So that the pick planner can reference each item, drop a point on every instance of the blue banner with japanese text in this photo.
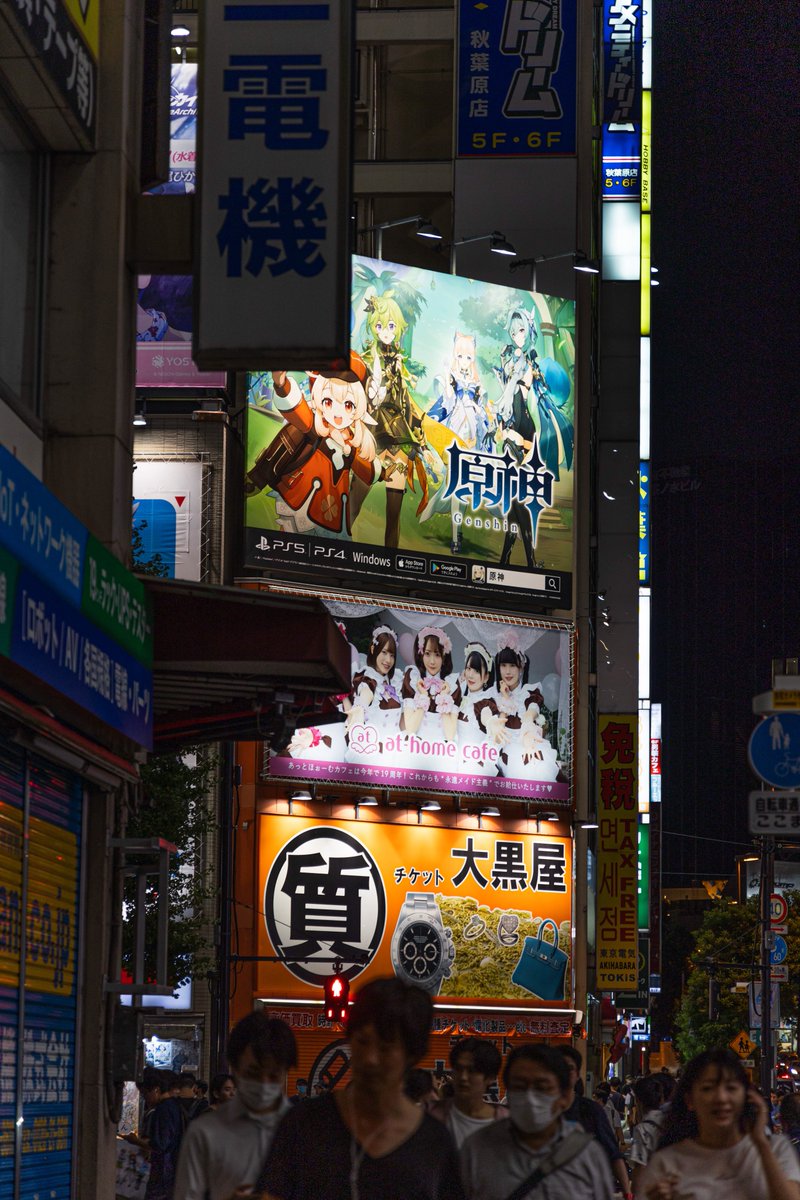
(516, 78)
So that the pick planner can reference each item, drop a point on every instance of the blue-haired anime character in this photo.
(523, 382)
(527, 408)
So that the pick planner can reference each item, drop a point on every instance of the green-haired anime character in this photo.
(398, 431)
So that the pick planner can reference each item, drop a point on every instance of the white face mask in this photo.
(531, 1111)
(258, 1096)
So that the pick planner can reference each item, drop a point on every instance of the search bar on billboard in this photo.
(523, 579)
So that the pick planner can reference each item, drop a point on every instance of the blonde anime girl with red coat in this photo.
(334, 420)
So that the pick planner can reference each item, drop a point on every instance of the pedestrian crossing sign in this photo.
(743, 1045)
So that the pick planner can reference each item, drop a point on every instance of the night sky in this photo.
(726, 434)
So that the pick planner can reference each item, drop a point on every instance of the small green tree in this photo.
(175, 806)
(730, 933)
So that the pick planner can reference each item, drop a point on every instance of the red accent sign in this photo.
(655, 756)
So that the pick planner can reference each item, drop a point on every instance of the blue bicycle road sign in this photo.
(779, 951)
(774, 750)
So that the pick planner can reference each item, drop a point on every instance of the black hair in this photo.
(267, 1037)
(485, 1055)
(383, 641)
(507, 655)
(668, 1084)
(573, 1055)
(790, 1110)
(447, 658)
(151, 1078)
(681, 1121)
(396, 1010)
(217, 1084)
(202, 1086)
(418, 1084)
(547, 1057)
(477, 662)
(169, 1080)
(186, 1079)
(648, 1093)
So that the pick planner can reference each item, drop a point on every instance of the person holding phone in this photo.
(715, 1144)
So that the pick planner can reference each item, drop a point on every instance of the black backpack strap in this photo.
(567, 1149)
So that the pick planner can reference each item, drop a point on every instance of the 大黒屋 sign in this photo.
(447, 703)
(617, 901)
(469, 916)
(441, 455)
(274, 167)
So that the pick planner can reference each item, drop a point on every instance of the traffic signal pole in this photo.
(767, 942)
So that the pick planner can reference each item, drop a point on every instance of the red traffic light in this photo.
(337, 994)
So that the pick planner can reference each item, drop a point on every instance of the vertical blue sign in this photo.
(644, 524)
(622, 99)
(516, 78)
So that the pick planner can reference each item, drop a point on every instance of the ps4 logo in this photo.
(327, 552)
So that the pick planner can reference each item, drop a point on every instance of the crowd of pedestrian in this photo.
(401, 1132)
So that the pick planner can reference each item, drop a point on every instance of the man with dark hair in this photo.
(536, 1152)
(222, 1155)
(369, 1140)
(648, 1098)
(476, 1063)
(592, 1117)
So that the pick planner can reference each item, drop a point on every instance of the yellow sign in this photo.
(786, 700)
(646, 149)
(467, 914)
(85, 15)
(51, 931)
(743, 1044)
(617, 866)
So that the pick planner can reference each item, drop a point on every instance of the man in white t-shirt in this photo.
(475, 1064)
(223, 1152)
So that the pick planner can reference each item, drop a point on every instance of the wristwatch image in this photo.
(422, 948)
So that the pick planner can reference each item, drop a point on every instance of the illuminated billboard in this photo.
(469, 915)
(451, 703)
(440, 458)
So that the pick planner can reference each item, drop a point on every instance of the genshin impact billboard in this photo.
(451, 703)
(440, 458)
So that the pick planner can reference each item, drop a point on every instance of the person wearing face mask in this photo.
(536, 1155)
(221, 1156)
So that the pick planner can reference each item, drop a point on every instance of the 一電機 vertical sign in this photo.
(272, 246)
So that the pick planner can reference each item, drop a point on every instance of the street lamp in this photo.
(589, 266)
(499, 245)
(424, 230)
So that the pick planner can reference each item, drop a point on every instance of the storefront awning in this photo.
(235, 663)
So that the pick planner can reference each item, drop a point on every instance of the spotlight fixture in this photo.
(139, 417)
(301, 794)
(430, 806)
(590, 266)
(181, 31)
(367, 801)
(491, 811)
(499, 245)
(425, 229)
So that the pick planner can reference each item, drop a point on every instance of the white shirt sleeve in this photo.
(191, 1177)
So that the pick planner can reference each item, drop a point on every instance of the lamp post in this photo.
(500, 245)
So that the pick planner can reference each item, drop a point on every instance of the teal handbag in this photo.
(542, 966)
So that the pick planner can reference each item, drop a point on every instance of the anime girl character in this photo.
(526, 400)
(477, 684)
(325, 442)
(461, 406)
(430, 689)
(375, 699)
(520, 728)
(398, 422)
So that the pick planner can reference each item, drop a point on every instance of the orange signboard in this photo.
(472, 916)
(617, 950)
